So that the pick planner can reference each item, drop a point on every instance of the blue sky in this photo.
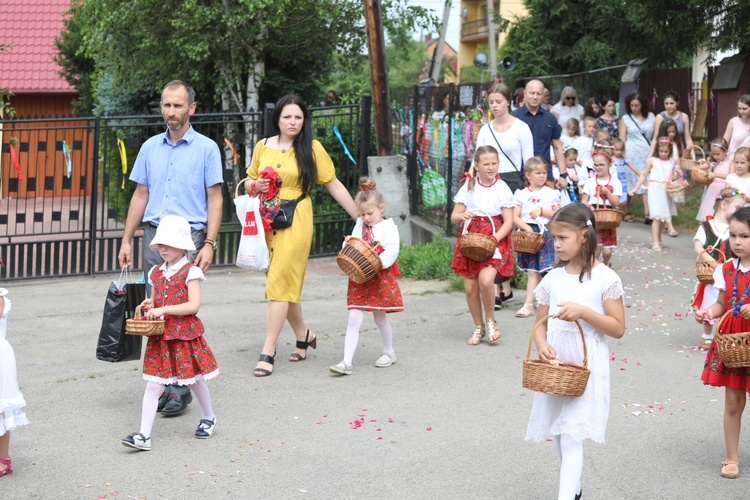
(437, 6)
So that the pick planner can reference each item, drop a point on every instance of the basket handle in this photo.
(723, 256)
(138, 314)
(580, 330)
(466, 224)
(237, 188)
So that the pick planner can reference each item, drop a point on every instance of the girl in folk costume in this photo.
(482, 198)
(599, 309)
(622, 166)
(660, 171)
(181, 355)
(711, 245)
(717, 175)
(732, 279)
(381, 294)
(603, 190)
(536, 204)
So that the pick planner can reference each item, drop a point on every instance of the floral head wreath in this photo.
(367, 187)
(728, 195)
(569, 148)
(599, 145)
(665, 141)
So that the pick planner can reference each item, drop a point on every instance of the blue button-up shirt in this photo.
(544, 128)
(177, 176)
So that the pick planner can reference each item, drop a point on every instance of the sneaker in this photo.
(385, 360)
(498, 303)
(506, 298)
(137, 441)
(205, 428)
(341, 369)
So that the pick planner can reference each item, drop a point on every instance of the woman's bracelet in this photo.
(211, 242)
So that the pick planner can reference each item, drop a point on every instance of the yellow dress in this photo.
(289, 248)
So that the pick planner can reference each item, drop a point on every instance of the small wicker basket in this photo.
(733, 348)
(704, 270)
(607, 218)
(147, 328)
(526, 242)
(559, 380)
(690, 163)
(359, 261)
(676, 190)
(476, 246)
(700, 175)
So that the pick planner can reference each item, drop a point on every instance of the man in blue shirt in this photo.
(544, 127)
(178, 173)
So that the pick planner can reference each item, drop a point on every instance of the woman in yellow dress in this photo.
(300, 162)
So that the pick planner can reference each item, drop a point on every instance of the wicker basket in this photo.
(689, 163)
(676, 190)
(476, 246)
(704, 270)
(700, 175)
(526, 242)
(559, 380)
(148, 328)
(358, 260)
(733, 348)
(607, 218)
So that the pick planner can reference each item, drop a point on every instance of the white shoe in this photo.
(205, 428)
(385, 360)
(137, 441)
(341, 369)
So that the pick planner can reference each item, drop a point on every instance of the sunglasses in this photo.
(570, 98)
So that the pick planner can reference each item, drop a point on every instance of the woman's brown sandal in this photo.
(477, 336)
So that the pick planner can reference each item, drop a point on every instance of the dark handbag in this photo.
(122, 298)
(285, 215)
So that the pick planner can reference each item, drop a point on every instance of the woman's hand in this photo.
(147, 304)
(262, 185)
(631, 194)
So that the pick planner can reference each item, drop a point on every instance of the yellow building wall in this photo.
(476, 10)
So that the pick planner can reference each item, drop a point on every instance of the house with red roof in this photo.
(28, 67)
(34, 149)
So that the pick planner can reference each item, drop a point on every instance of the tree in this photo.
(5, 94)
(234, 52)
(570, 36)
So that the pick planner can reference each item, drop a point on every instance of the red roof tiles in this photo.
(31, 26)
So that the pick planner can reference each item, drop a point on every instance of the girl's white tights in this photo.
(356, 317)
(151, 403)
(570, 452)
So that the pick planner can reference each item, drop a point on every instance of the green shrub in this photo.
(429, 261)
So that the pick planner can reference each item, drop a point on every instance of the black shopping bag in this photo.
(122, 298)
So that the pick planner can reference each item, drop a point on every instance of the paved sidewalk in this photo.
(446, 420)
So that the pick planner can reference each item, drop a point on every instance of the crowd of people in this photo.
(543, 172)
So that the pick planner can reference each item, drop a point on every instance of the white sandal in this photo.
(526, 311)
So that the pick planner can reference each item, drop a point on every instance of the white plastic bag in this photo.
(253, 251)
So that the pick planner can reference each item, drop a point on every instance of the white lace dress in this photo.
(584, 417)
(11, 399)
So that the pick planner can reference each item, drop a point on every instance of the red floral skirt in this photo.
(470, 268)
(178, 361)
(714, 371)
(607, 238)
(381, 293)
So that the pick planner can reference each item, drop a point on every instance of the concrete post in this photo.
(389, 174)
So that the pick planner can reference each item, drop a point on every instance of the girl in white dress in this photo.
(599, 309)
(11, 399)
(660, 170)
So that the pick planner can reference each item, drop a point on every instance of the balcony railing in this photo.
(474, 28)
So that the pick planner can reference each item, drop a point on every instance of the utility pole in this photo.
(381, 99)
(437, 55)
(491, 35)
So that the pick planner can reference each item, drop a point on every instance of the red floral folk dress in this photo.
(382, 292)
(180, 356)
(714, 371)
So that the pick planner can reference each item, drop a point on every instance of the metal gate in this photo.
(65, 188)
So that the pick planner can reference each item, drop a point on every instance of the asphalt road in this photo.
(446, 420)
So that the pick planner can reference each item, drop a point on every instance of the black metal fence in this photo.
(64, 203)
